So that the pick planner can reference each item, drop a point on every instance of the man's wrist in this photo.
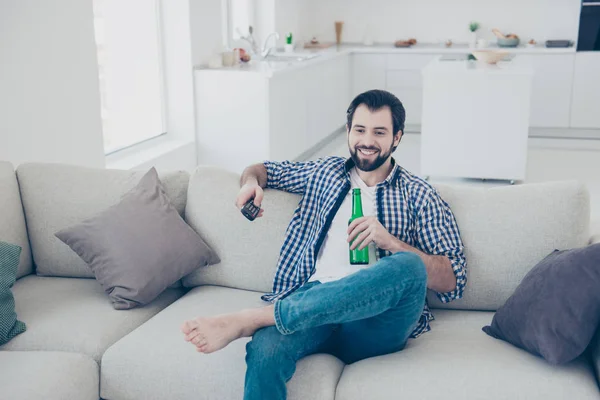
(250, 181)
(396, 245)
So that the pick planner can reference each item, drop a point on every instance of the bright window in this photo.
(241, 16)
(128, 38)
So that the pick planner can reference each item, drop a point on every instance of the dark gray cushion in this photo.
(555, 310)
(9, 263)
(140, 246)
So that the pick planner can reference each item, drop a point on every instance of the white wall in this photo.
(49, 96)
(178, 52)
(206, 21)
(429, 21)
(264, 18)
(287, 19)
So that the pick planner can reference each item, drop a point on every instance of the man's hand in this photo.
(248, 191)
(369, 229)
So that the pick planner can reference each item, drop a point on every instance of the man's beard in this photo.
(369, 165)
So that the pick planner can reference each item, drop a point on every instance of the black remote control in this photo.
(250, 211)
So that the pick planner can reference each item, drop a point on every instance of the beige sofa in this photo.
(78, 347)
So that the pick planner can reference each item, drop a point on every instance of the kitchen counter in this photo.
(457, 48)
(270, 67)
(453, 67)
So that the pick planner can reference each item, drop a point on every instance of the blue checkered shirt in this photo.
(407, 206)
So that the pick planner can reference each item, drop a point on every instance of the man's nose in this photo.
(369, 140)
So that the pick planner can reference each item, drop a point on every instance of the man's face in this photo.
(371, 137)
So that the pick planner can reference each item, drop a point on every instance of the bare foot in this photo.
(210, 334)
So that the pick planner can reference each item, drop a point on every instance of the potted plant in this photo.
(473, 27)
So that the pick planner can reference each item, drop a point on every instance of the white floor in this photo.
(547, 160)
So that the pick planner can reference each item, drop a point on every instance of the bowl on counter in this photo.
(489, 56)
(508, 42)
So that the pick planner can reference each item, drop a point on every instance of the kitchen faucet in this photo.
(265, 51)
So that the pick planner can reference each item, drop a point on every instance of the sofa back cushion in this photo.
(248, 250)
(507, 230)
(57, 196)
(12, 220)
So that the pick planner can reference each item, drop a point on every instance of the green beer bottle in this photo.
(357, 256)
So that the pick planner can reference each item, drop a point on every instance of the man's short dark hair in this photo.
(376, 100)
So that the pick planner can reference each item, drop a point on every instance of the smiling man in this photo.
(322, 303)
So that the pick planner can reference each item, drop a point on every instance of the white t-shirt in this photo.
(333, 260)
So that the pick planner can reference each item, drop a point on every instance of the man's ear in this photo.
(398, 136)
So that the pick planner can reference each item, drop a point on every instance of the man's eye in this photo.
(380, 133)
(360, 130)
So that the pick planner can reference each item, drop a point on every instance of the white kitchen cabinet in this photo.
(403, 79)
(586, 91)
(245, 117)
(408, 62)
(288, 115)
(412, 100)
(551, 89)
(330, 97)
(368, 72)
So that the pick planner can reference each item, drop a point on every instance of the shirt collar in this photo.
(393, 179)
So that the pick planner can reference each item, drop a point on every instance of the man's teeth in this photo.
(367, 152)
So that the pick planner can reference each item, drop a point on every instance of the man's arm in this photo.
(286, 175)
(442, 271)
(255, 174)
(439, 238)
(252, 182)
(289, 176)
(440, 276)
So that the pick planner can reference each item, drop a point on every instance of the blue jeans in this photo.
(369, 313)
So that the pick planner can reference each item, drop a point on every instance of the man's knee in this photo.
(406, 265)
(265, 347)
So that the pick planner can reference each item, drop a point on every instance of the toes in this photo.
(187, 327)
(198, 340)
(190, 336)
(203, 349)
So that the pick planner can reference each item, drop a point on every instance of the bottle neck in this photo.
(357, 210)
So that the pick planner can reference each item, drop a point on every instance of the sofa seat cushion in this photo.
(155, 362)
(75, 315)
(457, 360)
(48, 375)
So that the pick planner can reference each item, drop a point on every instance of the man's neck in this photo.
(372, 178)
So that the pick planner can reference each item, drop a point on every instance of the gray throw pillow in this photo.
(140, 246)
(9, 263)
(555, 310)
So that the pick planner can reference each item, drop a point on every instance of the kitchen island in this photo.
(475, 118)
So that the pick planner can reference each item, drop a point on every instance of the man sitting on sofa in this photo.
(322, 303)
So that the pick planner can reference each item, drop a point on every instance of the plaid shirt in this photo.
(407, 206)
